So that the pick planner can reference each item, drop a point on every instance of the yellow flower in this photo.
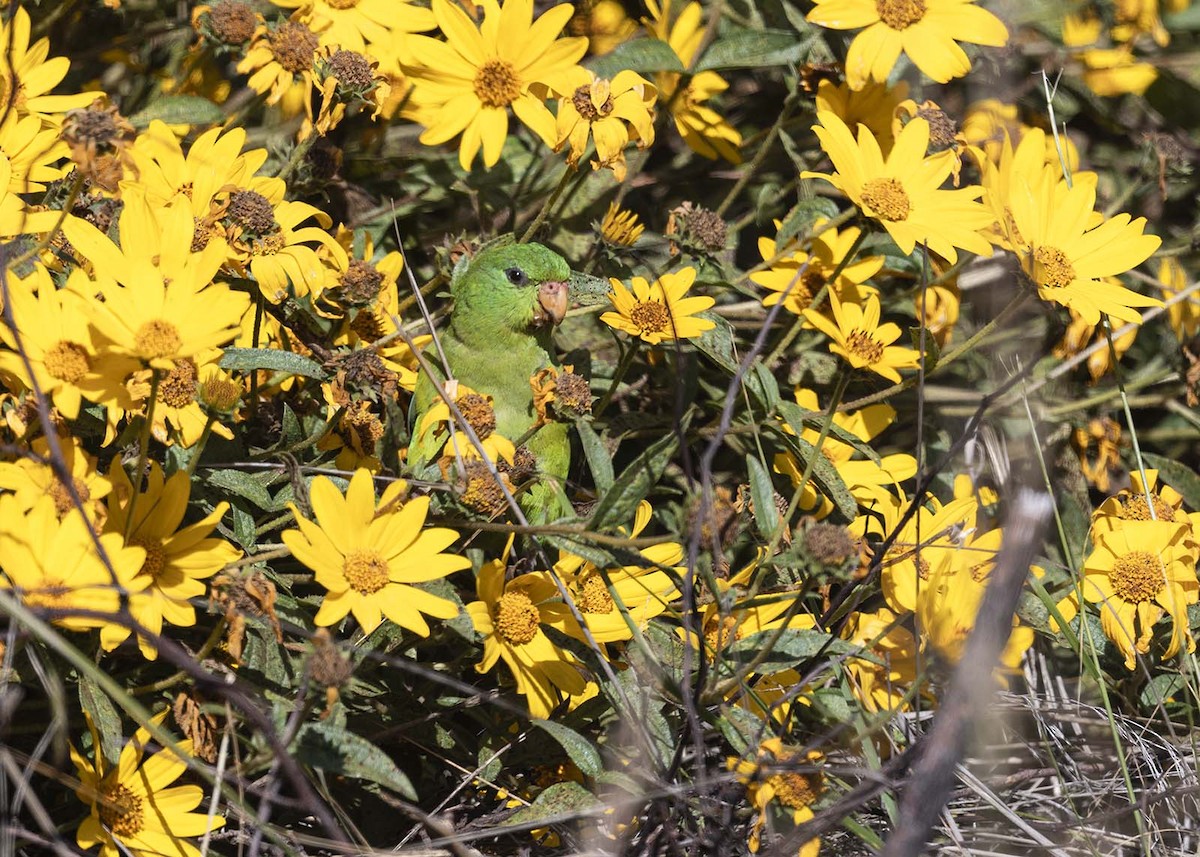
(1099, 447)
(605, 24)
(158, 305)
(31, 478)
(1184, 314)
(927, 31)
(134, 809)
(612, 113)
(509, 616)
(643, 591)
(703, 129)
(368, 555)
(658, 312)
(1107, 71)
(68, 361)
(1072, 262)
(902, 191)
(31, 148)
(938, 311)
(1129, 504)
(280, 60)
(857, 335)
(177, 557)
(881, 681)
(179, 415)
(873, 104)
(1080, 335)
(1137, 572)
(356, 25)
(802, 274)
(782, 776)
(467, 84)
(33, 73)
(479, 412)
(865, 424)
(620, 227)
(51, 565)
(988, 121)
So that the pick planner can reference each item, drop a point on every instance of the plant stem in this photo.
(618, 376)
(546, 208)
(143, 452)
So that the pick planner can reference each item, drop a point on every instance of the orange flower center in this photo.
(120, 810)
(156, 556)
(865, 346)
(593, 596)
(341, 4)
(517, 618)
(1134, 508)
(479, 414)
(1137, 576)
(721, 633)
(497, 84)
(887, 199)
(586, 106)
(178, 388)
(1052, 268)
(794, 790)
(900, 14)
(650, 317)
(62, 497)
(366, 571)
(157, 338)
(67, 361)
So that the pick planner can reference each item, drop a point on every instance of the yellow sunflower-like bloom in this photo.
(509, 616)
(178, 558)
(1107, 71)
(51, 565)
(34, 74)
(605, 597)
(990, 121)
(801, 274)
(611, 113)
(703, 129)
(903, 191)
(865, 424)
(31, 149)
(1080, 335)
(31, 478)
(873, 104)
(479, 411)
(158, 304)
(856, 334)
(1070, 260)
(467, 84)
(1098, 445)
(927, 31)
(658, 312)
(360, 24)
(134, 808)
(1129, 504)
(1185, 314)
(784, 777)
(280, 59)
(369, 556)
(620, 226)
(68, 361)
(180, 416)
(605, 24)
(881, 681)
(1138, 572)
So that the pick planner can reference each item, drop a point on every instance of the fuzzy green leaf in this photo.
(578, 748)
(558, 802)
(766, 515)
(104, 716)
(640, 55)
(618, 504)
(753, 49)
(178, 110)
(596, 453)
(332, 749)
(251, 359)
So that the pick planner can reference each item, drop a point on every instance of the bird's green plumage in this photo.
(494, 345)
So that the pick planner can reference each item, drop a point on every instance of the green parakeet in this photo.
(507, 300)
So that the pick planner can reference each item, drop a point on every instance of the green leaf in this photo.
(640, 55)
(580, 548)
(1183, 479)
(558, 802)
(178, 110)
(251, 359)
(802, 217)
(630, 488)
(794, 646)
(766, 515)
(578, 748)
(1161, 689)
(761, 384)
(753, 49)
(799, 418)
(933, 352)
(596, 453)
(717, 343)
(742, 729)
(587, 290)
(332, 749)
(104, 716)
(824, 475)
(246, 485)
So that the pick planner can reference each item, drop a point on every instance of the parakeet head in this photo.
(513, 287)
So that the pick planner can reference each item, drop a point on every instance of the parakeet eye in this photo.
(516, 276)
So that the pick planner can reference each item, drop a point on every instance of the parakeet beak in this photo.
(553, 297)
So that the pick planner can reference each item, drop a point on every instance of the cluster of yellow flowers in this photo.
(174, 315)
